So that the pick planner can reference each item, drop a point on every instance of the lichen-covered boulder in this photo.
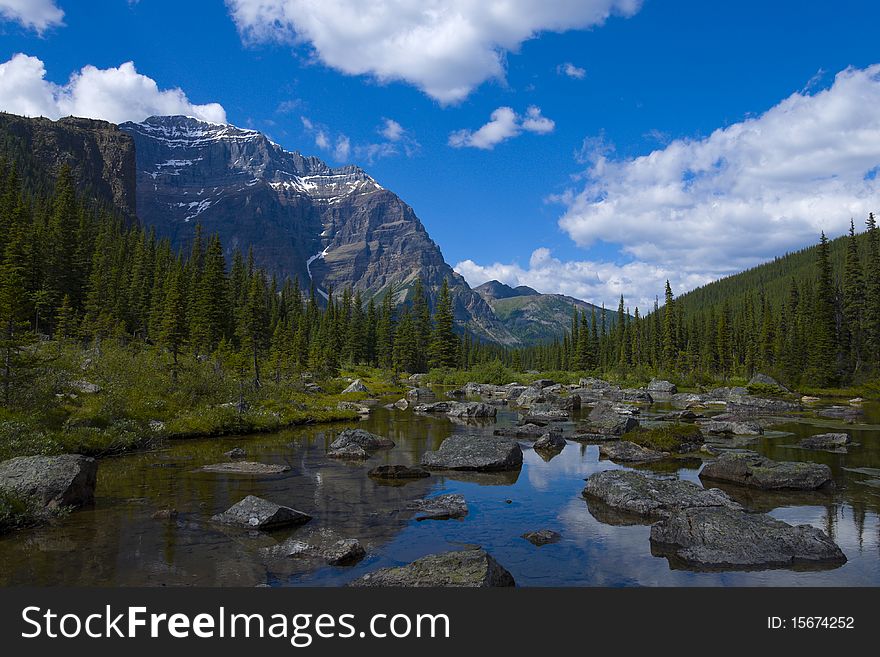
(481, 453)
(256, 513)
(53, 481)
(467, 568)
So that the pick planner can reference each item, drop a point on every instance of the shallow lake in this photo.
(119, 543)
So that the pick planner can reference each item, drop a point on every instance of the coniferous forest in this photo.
(79, 283)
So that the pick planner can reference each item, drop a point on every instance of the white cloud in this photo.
(446, 48)
(572, 71)
(397, 139)
(37, 15)
(504, 124)
(113, 94)
(391, 130)
(534, 122)
(705, 208)
(699, 209)
(594, 281)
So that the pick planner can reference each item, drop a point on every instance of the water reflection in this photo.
(119, 543)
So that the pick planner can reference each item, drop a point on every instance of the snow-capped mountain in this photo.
(337, 227)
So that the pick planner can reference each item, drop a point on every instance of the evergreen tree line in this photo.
(71, 270)
(824, 330)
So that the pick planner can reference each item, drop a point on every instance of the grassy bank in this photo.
(117, 398)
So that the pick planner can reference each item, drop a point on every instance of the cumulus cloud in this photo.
(594, 281)
(396, 139)
(699, 209)
(745, 193)
(503, 124)
(571, 71)
(37, 15)
(446, 48)
(113, 94)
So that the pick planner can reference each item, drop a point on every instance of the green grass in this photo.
(139, 404)
(668, 438)
(18, 512)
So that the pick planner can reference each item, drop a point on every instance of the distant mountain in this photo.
(101, 157)
(336, 227)
(533, 317)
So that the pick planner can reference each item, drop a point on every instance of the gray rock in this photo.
(678, 416)
(722, 538)
(441, 507)
(360, 409)
(398, 472)
(472, 409)
(748, 405)
(550, 442)
(467, 568)
(235, 453)
(826, 441)
(688, 400)
(743, 428)
(632, 395)
(662, 387)
(605, 419)
(435, 407)
(355, 386)
(766, 380)
(364, 439)
(257, 513)
(527, 430)
(345, 552)
(85, 387)
(634, 493)
(542, 537)
(593, 384)
(755, 471)
(350, 452)
(481, 453)
(529, 396)
(53, 481)
(245, 468)
(845, 413)
(415, 394)
(402, 404)
(623, 451)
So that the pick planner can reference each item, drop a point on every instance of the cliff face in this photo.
(101, 157)
(336, 227)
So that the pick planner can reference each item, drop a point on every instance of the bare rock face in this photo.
(634, 493)
(480, 453)
(337, 226)
(53, 481)
(467, 568)
(100, 155)
(755, 471)
(723, 538)
(257, 513)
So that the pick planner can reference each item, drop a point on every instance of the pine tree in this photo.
(444, 343)
(670, 330)
(823, 351)
(254, 322)
(872, 292)
(853, 302)
(174, 325)
(385, 330)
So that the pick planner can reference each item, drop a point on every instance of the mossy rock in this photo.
(676, 437)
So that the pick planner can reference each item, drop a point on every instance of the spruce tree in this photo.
(444, 343)
(853, 302)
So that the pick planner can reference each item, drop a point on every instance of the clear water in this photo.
(118, 543)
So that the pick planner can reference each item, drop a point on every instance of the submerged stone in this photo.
(755, 471)
(257, 513)
(467, 568)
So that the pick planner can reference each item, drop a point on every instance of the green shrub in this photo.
(17, 512)
(666, 438)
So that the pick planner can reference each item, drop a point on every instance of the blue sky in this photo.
(565, 203)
